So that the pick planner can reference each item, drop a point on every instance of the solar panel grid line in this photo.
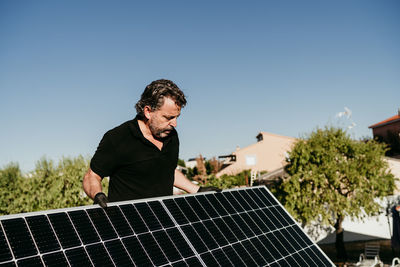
(207, 206)
(77, 233)
(28, 257)
(134, 219)
(167, 246)
(119, 221)
(156, 239)
(42, 233)
(205, 235)
(65, 230)
(220, 228)
(228, 228)
(201, 213)
(121, 236)
(130, 227)
(69, 214)
(259, 206)
(254, 218)
(16, 238)
(46, 256)
(63, 249)
(234, 221)
(157, 250)
(163, 203)
(243, 220)
(287, 215)
(6, 252)
(220, 198)
(138, 238)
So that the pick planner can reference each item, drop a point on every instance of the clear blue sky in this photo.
(71, 70)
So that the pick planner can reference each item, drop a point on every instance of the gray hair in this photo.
(154, 94)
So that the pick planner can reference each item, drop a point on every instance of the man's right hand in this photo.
(101, 199)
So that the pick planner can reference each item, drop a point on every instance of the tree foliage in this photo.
(228, 181)
(49, 186)
(332, 176)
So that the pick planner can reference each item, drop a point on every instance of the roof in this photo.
(276, 135)
(387, 121)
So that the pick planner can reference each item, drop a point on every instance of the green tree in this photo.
(181, 163)
(228, 181)
(332, 176)
(49, 186)
(11, 186)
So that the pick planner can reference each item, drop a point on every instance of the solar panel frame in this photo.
(230, 227)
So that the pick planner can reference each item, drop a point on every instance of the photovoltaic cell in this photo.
(64, 230)
(134, 219)
(239, 227)
(5, 253)
(216, 205)
(19, 237)
(56, 259)
(209, 259)
(8, 264)
(195, 205)
(43, 233)
(161, 214)
(118, 253)
(187, 210)
(136, 251)
(78, 257)
(175, 211)
(148, 216)
(118, 221)
(233, 256)
(232, 200)
(212, 213)
(193, 261)
(216, 233)
(205, 235)
(180, 243)
(241, 200)
(195, 239)
(99, 255)
(167, 246)
(224, 202)
(234, 228)
(84, 227)
(29, 262)
(221, 258)
(153, 249)
(102, 223)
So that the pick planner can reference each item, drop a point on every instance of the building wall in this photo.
(394, 165)
(383, 130)
(266, 155)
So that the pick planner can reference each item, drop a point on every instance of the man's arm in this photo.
(91, 183)
(184, 183)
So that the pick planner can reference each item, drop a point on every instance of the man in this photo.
(140, 156)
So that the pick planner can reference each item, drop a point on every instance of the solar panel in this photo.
(237, 227)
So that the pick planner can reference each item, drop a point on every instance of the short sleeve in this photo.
(104, 160)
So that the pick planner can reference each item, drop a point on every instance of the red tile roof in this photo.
(387, 121)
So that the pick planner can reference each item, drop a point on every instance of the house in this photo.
(388, 131)
(269, 153)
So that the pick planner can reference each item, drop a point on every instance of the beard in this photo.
(158, 132)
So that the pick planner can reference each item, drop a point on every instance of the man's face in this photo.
(163, 120)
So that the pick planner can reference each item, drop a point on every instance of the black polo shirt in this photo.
(136, 167)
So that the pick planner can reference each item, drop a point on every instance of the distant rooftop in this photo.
(395, 118)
